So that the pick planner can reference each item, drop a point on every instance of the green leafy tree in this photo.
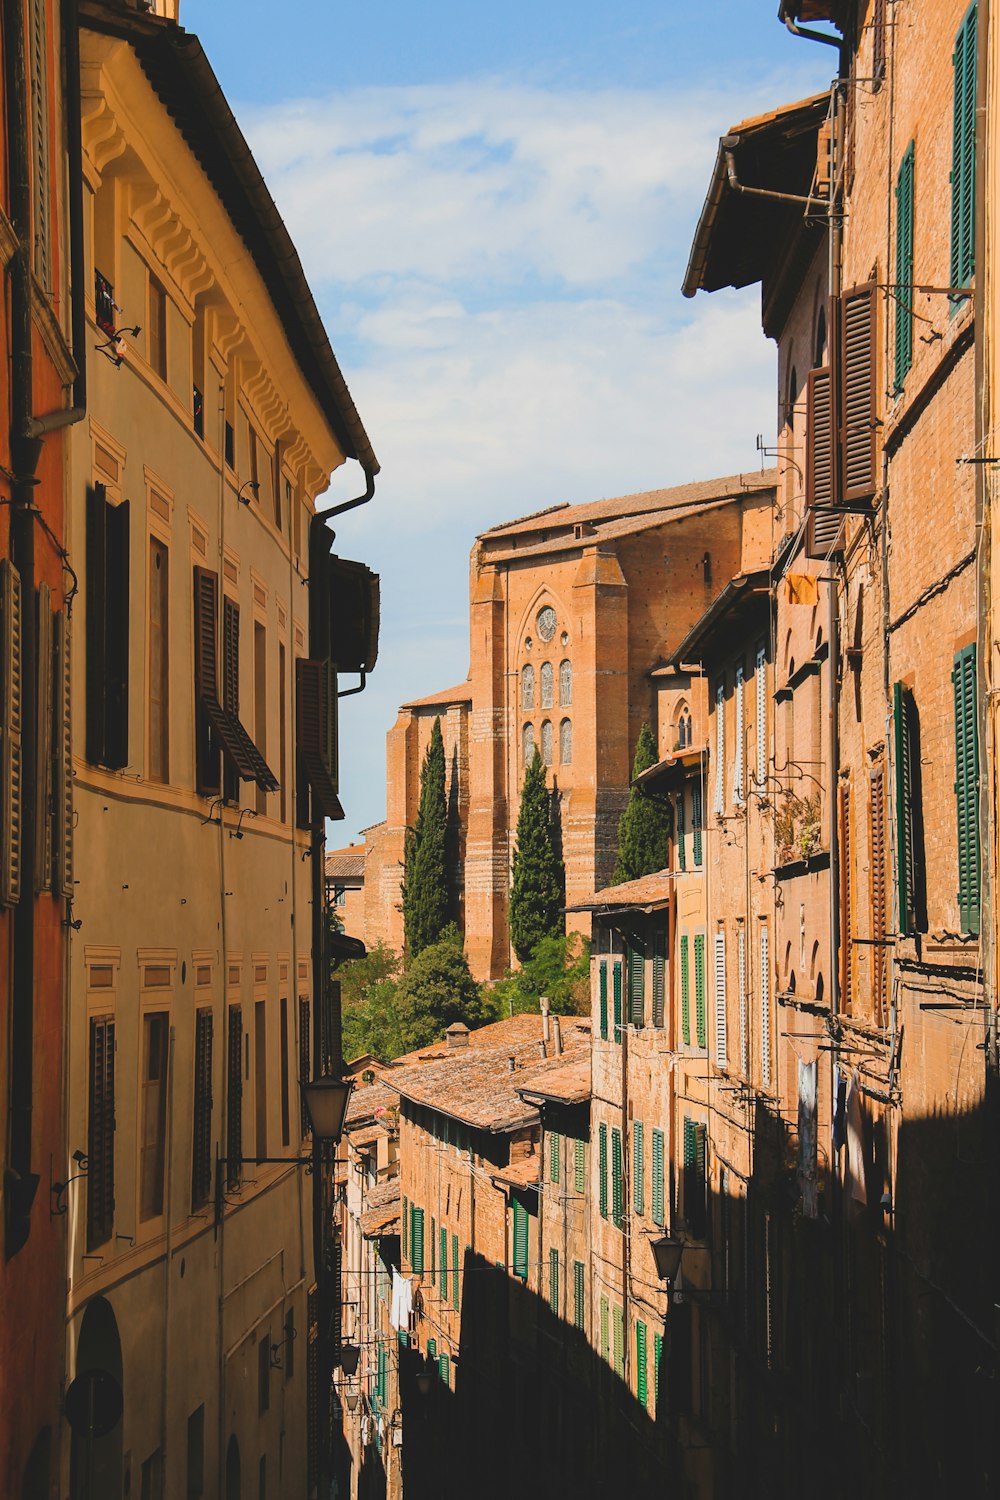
(559, 968)
(437, 990)
(536, 896)
(367, 996)
(425, 873)
(644, 826)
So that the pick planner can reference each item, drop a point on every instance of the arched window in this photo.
(547, 741)
(547, 685)
(683, 727)
(565, 684)
(528, 686)
(528, 743)
(820, 357)
(566, 742)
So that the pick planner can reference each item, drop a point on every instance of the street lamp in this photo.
(667, 1255)
(349, 1357)
(326, 1101)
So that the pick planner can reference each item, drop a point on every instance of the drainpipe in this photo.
(338, 510)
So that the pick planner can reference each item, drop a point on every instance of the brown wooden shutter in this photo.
(878, 40)
(234, 1099)
(62, 811)
(218, 723)
(305, 1062)
(101, 1132)
(206, 585)
(10, 734)
(823, 524)
(354, 603)
(95, 602)
(201, 1145)
(231, 683)
(845, 833)
(877, 868)
(43, 737)
(856, 394)
(107, 604)
(316, 727)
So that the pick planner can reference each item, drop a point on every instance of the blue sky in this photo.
(494, 207)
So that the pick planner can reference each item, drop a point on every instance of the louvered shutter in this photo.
(741, 970)
(878, 40)
(681, 832)
(739, 767)
(234, 1099)
(44, 746)
(555, 1156)
(694, 1176)
(206, 586)
(316, 728)
(101, 1132)
(579, 1295)
(554, 1280)
(963, 164)
(602, 1168)
(63, 762)
(520, 1240)
(636, 982)
(903, 295)
(444, 1367)
(967, 787)
(638, 1167)
(201, 1139)
(354, 601)
(822, 524)
(455, 1289)
(902, 712)
(721, 1033)
(602, 990)
(657, 1360)
(616, 981)
(659, 975)
(10, 734)
(877, 887)
(720, 758)
(701, 1028)
(617, 1203)
(417, 1241)
(605, 1353)
(685, 992)
(641, 1373)
(305, 1063)
(619, 1337)
(846, 835)
(857, 393)
(760, 683)
(405, 1226)
(443, 1264)
(658, 1194)
(580, 1173)
(107, 604)
(219, 724)
(230, 693)
(765, 1004)
(697, 825)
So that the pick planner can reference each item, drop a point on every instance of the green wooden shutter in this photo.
(685, 993)
(520, 1240)
(580, 1181)
(697, 823)
(555, 1157)
(963, 162)
(604, 1329)
(417, 1240)
(657, 1356)
(602, 984)
(967, 787)
(432, 1349)
(455, 1296)
(636, 982)
(681, 832)
(659, 974)
(617, 1206)
(554, 1280)
(694, 1176)
(641, 1389)
(902, 715)
(602, 1168)
(638, 1166)
(903, 304)
(406, 1227)
(658, 1177)
(579, 1295)
(444, 1367)
(619, 1336)
(444, 1264)
(699, 989)
(616, 975)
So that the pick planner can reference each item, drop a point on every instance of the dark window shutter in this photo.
(637, 982)
(903, 305)
(902, 713)
(697, 824)
(856, 348)
(417, 1240)
(616, 984)
(846, 836)
(96, 606)
(10, 734)
(641, 1373)
(305, 1061)
(219, 724)
(659, 975)
(967, 787)
(520, 1240)
(107, 587)
(455, 1288)
(963, 163)
(658, 1205)
(877, 885)
(316, 727)
(354, 615)
(685, 991)
(602, 988)
(230, 684)
(580, 1167)
(234, 1099)
(101, 1133)
(44, 746)
(638, 1167)
(694, 1176)
(201, 1141)
(206, 585)
(617, 1203)
(62, 762)
(878, 40)
(822, 524)
(602, 1168)
(579, 1294)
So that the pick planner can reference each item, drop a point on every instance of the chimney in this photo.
(543, 1006)
(542, 1051)
(511, 1063)
(457, 1036)
(557, 1035)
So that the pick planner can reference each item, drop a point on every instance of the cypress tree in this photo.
(425, 877)
(644, 826)
(536, 896)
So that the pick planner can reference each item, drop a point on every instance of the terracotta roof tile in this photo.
(650, 890)
(519, 1174)
(460, 694)
(345, 863)
(364, 1101)
(568, 1084)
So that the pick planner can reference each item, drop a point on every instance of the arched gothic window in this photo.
(566, 743)
(528, 686)
(683, 727)
(528, 743)
(565, 684)
(547, 685)
(547, 741)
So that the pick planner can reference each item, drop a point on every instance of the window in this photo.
(657, 1358)
(967, 787)
(263, 1370)
(234, 1098)
(845, 822)
(101, 1132)
(528, 744)
(641, 1371)
(151, 1477)
(547, 685)
(685, 991)
(903, 304)
(701, 1029)
(417, 1240)
(159, 662)
(107, 606)
(602, 994)
(555, 1157)
(580, 1167)
(566, 743)
(11, 725)
(683, 728)
(741, 966)
(157, 328)
(218, 722)
(579, 1295)
(260, 705)
(720, 750)
(616, 986)
(636, 982)
(605, 1354)
(909, 863)
(286, 1130)
(38, 42)
(739, 768)
(229, 444)
(878, 41)
(619, 1341)
(697, 825)
(565, 684)
(602, 1168)
(638, 1167)
(617, 1203)
(201, 1135)
(196, 1454)
(528, 687)
(520, 1257)
(721, 1031)
(694, 1176)
(963, 161)
(761, 711)
(659, 975)
(877, 888)
(681, 832)
(547, 741)
(443, 1266)
(305, 1062)
(260, 1076)
(658, 1180)
(554, 1280)
(155, 1030)
(455, 1292)
(283, 730)
(289, 1342)
(765, 1005)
